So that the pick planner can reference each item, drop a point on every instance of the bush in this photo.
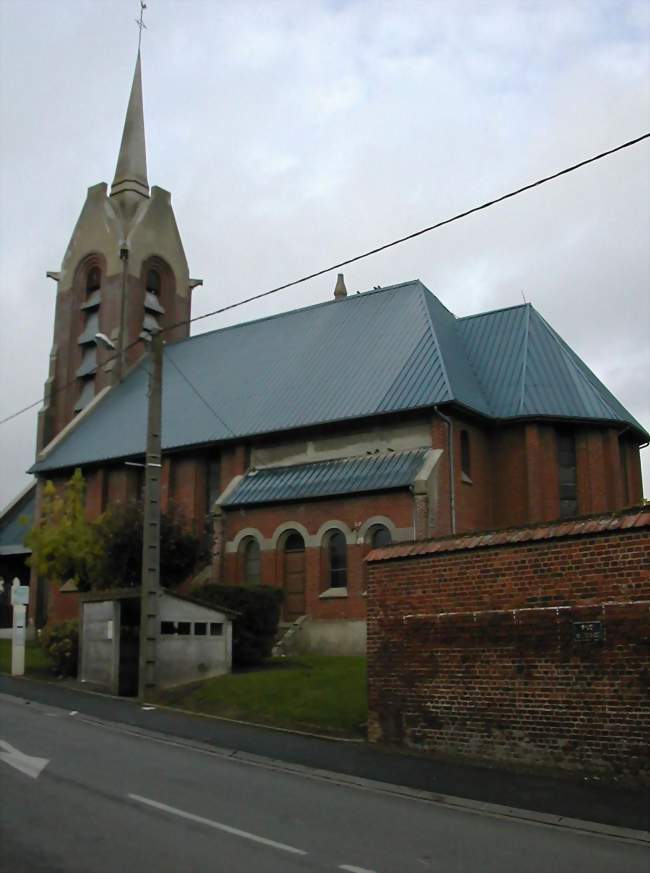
(255, 628)
(61, 644)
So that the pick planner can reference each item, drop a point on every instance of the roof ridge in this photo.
(348, 299)
(434, 334)
(432, 294)
(494, 311)
(366, 456)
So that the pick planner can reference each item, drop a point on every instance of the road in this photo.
(103, 797)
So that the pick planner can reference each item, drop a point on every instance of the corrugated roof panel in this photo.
(384, 351)
(575, 387)
(325, 363)
(17, 520)
(328, 478)
(496, 346)
(464, 386)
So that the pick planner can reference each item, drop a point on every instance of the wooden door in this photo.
(294, 577)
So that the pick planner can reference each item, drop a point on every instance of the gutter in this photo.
(452, 481)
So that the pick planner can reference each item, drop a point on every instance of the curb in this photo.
(135, 702)
(494, 810)
(461, 804)
(255, 724)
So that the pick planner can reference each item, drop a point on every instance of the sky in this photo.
(293, 135)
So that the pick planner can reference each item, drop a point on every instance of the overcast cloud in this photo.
(293, 135)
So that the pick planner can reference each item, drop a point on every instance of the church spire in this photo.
(131, 171)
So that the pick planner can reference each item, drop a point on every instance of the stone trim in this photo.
(331, 593)
(383, 520)
(341, 527)
(287, 526)
(233, 545)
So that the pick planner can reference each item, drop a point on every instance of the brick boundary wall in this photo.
(477, 646)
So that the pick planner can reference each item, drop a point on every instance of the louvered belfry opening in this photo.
(153, 307)
(90, 307)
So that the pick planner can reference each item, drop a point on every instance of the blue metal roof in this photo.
(527, 370)
(16, 522)
(377, 472)
(384, 351)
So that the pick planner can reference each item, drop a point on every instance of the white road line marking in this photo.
(216, 825)
(527, 817)
(352, 869)
(74, 711)
(24, 763)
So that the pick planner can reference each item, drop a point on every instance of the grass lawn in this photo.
(310, 693)
(36, 661)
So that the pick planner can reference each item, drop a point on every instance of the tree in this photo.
(64, 544)
(107, 552)
(120, 536)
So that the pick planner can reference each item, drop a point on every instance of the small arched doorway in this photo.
(294, 576)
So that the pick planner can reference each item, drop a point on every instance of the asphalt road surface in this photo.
(77, 794)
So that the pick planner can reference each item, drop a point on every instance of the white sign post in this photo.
(19, 601)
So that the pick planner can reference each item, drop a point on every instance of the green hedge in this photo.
(61, 644)
(255, 628)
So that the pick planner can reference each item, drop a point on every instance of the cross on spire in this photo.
(140, 22)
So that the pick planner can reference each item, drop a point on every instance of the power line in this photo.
(170, 360)
(360, 257)
(260, 464)
(420, 232)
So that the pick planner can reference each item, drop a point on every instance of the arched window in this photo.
(153, 282)
(93, 280)
(337, 560)
(250, 561)
(380, 537)
(294, 543)
(465, 457)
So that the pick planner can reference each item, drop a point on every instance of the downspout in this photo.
(452, 478)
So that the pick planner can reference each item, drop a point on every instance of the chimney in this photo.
(340, 291)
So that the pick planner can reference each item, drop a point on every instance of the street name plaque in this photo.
(588, 631)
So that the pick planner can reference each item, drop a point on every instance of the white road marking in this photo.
(216, 824)
(24, 763)
(352, 869)
(74, 711)
(148, 708)
(526, 817)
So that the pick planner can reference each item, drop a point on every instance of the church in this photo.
(307, 438)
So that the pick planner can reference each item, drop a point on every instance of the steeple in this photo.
(130, 183)
(124, 269)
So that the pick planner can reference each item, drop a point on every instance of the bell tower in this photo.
(124, 270)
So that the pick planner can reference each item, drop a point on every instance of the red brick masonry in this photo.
(475, 647)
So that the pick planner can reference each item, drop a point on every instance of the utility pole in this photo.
(150, 584)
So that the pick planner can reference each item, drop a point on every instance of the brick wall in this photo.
(351, 511)
(472, 647)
